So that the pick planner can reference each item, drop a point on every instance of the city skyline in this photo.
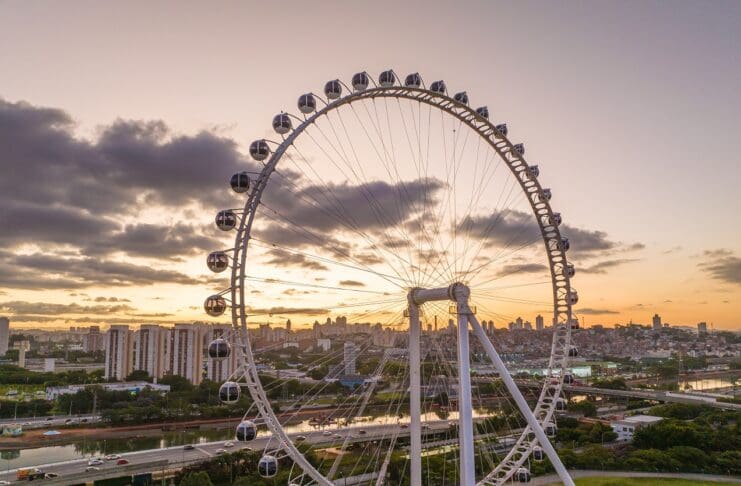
(144, 149)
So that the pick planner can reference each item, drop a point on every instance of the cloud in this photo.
(595, 312)
(352, 283)
(723, 265)
(308, 311)
(522, 268)
(603, 266)
(110, 299)
(45, 308)
(282, 258)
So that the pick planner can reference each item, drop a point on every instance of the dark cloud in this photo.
(309, 311)
(110, 299)
(352, 283)
(723, 265)
(45, 308)
(282, 258)
(42, 271)
(595, 312)
(603, 266)
(522, 268)
(155, 240)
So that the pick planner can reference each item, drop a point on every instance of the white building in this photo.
(185, 351)
(219, 370)
(150, 350)
(626, 427)
(119, 350)
(4, 335)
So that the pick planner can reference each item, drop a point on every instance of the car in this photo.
(337, 436)
(49, 476)
(122, 462)
(49, 418)
(300, 438)
(228, 444)
(404, 426)
(188, 447)
(362, 432)
(220, 452)
(83, 420)
(67, 421)
(112, 457)
(92, 469)
(95, 462)
(326, 433)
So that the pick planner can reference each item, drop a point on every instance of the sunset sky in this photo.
(120, 126)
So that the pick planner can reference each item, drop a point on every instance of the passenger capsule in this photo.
(306, 103)
(522, 475)
(573, 297)
(259, 150)
(246, 431)
(569, 270)
(550, 429)
(229, 392)
(268, 466)
(226, 220)
(568, 379)
(483, 112)
(413, 81)
(215, 305)
(533, 172)
(574, 324)
(386, 78)
(502, 129)
(240, 182)
(360, 81)
(333, 89)
(438, 87)
(565, 245)
(218, 349)
(538, 453)
(561, 404)
(547, 194)
(461, 97)
(556, 220)
(217, 261)
(573, 352)
(282, 124)
(519, 149)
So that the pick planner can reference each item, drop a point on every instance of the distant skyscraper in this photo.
(351, 356)
(186, 352)
(118, 352)
(288, 325)
(702, 327)
(528, 326)
(4, 335)
(150, 350)
(539, 324)
(657, 322)
(93, 340)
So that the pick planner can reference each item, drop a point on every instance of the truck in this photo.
(30, 473)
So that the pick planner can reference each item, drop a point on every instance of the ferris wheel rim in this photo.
(560, 281)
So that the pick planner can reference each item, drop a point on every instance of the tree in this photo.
(196, 479)
(585, 407)
(139, 375)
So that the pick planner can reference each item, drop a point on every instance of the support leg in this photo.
(521, 402)
(415, 386)
(465, 411)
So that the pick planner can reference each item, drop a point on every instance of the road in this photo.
(553, 479)
(178, 456)
(660, 396)
(56, 421)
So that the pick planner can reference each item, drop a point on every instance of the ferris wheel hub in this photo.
(457, 292)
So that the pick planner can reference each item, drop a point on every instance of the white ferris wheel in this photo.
(396, 204)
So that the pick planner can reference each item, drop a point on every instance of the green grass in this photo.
(607, 481)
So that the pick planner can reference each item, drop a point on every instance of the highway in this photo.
(177, 456)
(660, 396)
(56, 420)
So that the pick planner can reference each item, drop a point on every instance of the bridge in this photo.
(660, 396)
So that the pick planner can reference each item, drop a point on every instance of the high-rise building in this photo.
(185, 352)
(119, 350)
(4, 335)
(150, 350)
(702, 328)
(93, 340)
(527, 326)
(219, 370)
(350, 359)
(539, 324)
(656, 322)
(288, 325)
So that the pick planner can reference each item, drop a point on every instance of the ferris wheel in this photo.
(393, 205)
